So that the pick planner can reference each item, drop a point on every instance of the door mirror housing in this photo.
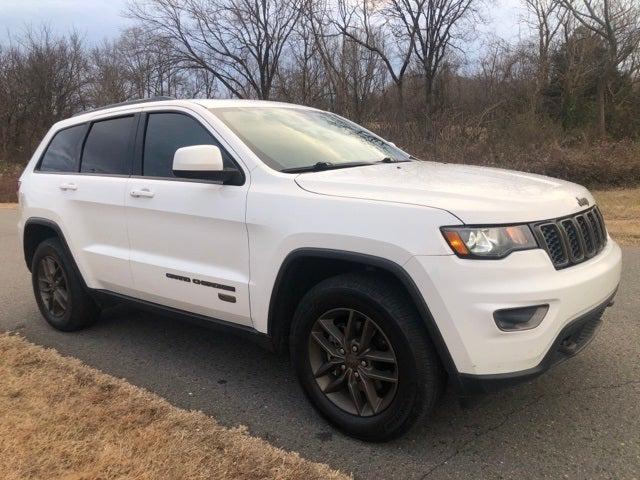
(203, 162)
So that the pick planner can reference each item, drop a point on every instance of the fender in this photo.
(377, 262)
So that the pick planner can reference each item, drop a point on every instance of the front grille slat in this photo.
(554, 243)
(603, 229)
(588, 235)
(596, 229)
(574, 239)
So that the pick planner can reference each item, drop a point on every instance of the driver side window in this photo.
(167, 132)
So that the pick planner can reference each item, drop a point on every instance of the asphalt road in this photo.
(581, 420)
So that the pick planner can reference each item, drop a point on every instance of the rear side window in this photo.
(108, 147)
(166, 133)
(63, 151)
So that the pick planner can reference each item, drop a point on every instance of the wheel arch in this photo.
(36, 230)
(290, 285)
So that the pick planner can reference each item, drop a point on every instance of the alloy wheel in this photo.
(53, 287)
(353, 362)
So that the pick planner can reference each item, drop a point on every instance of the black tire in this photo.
(80, 310)
(419, 374)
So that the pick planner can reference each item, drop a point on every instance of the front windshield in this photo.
(292, 138)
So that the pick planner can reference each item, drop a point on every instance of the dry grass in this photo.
(62, 419)
(621, 210)
(604, 165)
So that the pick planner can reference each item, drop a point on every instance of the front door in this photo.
(189, 244)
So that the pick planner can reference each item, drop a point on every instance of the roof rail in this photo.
(128, 102)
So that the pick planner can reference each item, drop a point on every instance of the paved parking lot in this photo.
(581, 420)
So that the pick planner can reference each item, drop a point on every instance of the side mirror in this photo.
(203, 162)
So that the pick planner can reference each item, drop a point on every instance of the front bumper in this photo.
(571, 340)
(463, 294)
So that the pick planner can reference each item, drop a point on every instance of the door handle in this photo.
(68, 186)
(145, 192)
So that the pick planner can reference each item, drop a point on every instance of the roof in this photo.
(172, 102)
(234, 102)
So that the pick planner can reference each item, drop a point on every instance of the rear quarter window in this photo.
(63, 152)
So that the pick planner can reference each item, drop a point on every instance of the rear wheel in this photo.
(59, 293)
(363, 356)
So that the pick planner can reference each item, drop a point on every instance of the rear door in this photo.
(98, 203)
(82, 176)
(189, 243)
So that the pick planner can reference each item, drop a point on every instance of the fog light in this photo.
(522, 318)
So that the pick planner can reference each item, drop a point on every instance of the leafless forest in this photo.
(563, 101)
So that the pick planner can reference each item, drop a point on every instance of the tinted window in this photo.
(107, 147)
(64, 150)
(166, 133)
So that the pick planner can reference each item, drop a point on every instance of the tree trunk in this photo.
(429, 107)
(402, 113)
(600, 101)
(542, 82)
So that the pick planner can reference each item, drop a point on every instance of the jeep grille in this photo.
(572, 240)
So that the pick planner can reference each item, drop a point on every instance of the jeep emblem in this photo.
(582, 202)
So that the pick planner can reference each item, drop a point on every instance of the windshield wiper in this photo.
(320, 166)
(392, 160)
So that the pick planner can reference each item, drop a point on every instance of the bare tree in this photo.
(354, 73)
(437, 24)
(365, 59)
(150, 65)
(367, 24)
(304, 78)
(108, 79)
(548, 18)
(240, 42)
(42, 81)
(617, 23)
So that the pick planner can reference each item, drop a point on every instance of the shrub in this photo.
(529, 148)
(9, 183)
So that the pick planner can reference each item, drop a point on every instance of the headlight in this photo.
(488, 242)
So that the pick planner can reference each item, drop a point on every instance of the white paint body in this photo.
(240, 236)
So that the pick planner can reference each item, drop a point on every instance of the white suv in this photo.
(383, 275)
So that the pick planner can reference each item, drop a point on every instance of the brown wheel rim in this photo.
(53, 287)
(353, 362)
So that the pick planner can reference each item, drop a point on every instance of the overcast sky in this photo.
(94, 19)
(98, 19)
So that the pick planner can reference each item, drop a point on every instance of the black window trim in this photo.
(128, 167)
(136, 148)
(141, 134)
(38, 165)
(88, 124)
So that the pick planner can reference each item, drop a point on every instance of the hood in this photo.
(474, 194)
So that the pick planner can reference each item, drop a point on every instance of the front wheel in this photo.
(363, 356)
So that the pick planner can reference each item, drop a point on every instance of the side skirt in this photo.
(107, 298)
